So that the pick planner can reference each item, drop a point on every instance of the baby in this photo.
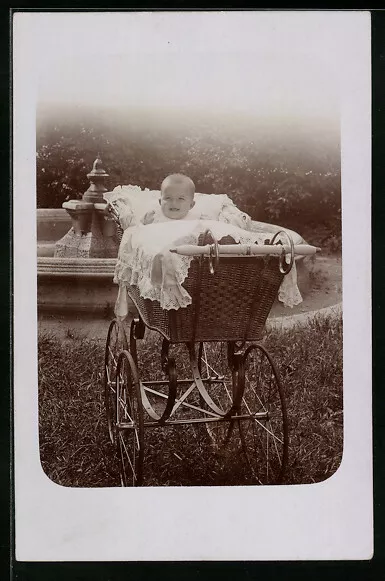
(176, 201)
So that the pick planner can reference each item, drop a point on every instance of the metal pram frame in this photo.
(232, 387)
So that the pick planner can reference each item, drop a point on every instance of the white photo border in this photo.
(332, 520)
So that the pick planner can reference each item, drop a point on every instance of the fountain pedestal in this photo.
(93, 233)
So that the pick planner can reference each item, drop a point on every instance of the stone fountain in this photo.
(75, 271)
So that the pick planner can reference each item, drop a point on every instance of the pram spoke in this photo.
(219, 380)
(158, 403)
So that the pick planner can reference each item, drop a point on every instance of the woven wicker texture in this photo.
(231, 305)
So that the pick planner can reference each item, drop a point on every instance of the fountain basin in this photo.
(75, 285)
(70, 286)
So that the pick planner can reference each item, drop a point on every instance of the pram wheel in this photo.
(265, 437)
(129, 424)
(116, 342)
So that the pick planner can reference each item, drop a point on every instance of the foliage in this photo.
(281, 173)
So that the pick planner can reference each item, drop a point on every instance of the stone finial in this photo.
(91, 235)
(97, 188)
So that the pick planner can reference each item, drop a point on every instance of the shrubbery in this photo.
(278, 173)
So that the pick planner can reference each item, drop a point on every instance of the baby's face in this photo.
(176, 201)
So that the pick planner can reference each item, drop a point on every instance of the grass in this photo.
(76, 451)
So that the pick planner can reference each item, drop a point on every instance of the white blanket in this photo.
(144, 260)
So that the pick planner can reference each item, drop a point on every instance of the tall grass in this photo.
(76, 451)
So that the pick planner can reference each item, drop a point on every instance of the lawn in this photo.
(74, 444)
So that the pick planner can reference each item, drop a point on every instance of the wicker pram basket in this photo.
(232, 304)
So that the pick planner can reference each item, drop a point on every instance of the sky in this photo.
(256, 63)
(228, 81)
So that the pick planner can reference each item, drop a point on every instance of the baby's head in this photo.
(177, 196)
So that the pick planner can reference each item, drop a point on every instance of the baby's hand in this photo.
(149, 217)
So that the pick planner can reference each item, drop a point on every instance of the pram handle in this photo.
(245, 249)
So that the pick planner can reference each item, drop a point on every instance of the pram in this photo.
(228, 382)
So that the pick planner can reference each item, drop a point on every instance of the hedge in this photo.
(281, 171)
